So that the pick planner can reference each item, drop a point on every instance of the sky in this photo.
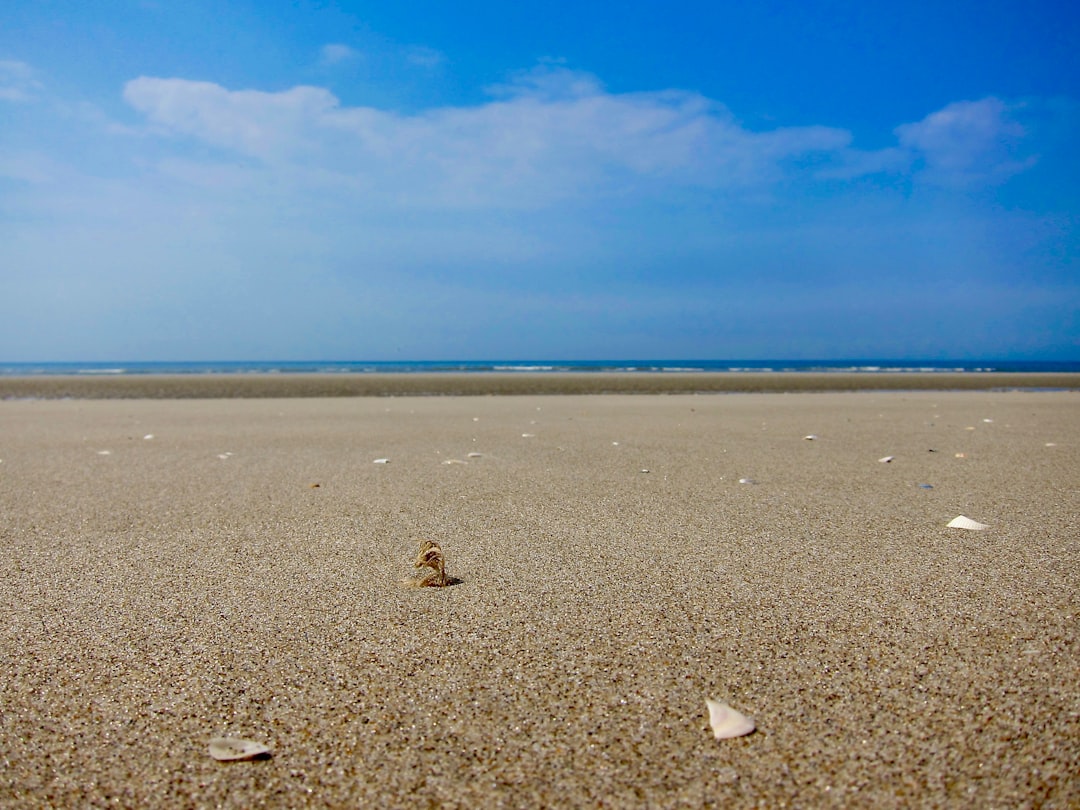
(815, 179)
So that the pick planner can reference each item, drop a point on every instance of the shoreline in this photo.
(315, 385)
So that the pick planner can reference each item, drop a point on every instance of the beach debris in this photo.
(925, 486)
(1050, 444)
(960, 455)
(148, 436)
(476, 455)
(528, 435)
(726, 722)
(747, 481)
(234, 749)
(644, 470)
(104, 452)
(430, 555)
(314, 486)
(381, 461)
(811, 437)
(961, 522)
(454, 461)
(886, 459)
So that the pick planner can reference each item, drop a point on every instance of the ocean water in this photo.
(540, 366)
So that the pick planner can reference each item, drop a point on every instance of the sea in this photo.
(541, 366)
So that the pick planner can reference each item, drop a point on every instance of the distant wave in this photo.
(675, 366)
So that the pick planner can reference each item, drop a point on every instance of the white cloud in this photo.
(967, 141)
(552, 134)
(17, 81)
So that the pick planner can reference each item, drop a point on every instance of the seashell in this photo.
(961, 522)
(233, 749)
(104, 452)
(454, 461)
(747, 481)
(726, 722)
(811, 437)
(476, 455)
(148, 436)
(886, 459)
(381, 461)
(528, 435)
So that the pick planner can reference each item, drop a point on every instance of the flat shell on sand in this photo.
(961, 522)
(726, 722)
(233, 749)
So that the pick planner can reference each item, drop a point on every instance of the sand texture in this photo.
(170, 573)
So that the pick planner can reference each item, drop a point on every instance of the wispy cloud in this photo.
(423, 56)
(18, 81)
(336, 53)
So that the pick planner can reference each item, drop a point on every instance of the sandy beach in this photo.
(179, 569)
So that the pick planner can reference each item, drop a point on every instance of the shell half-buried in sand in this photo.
(726, 722)
(234, 749)
(962, 522)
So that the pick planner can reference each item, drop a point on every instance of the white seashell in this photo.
(811, 437)
(528, 435)
(747, 481)
(886, 459)
(104, 452)
(455, 461)
(381, 461)
(726, 722)
(961, 522)
(148, 436)
(476, 455)
(231, 749)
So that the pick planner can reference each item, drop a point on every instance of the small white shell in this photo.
(381, 461)
(811, 437)
(961, 522)
(231, 749)
(726, 722)
(886, 459)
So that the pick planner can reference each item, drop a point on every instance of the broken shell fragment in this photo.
(233, 749)
(726, 722)
(381, 461)
(961, 522)
(886, 459)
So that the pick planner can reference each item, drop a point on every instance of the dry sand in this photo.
(158, 592)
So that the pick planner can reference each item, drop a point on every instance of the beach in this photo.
(181, 564)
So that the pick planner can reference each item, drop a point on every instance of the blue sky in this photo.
(480, 180)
